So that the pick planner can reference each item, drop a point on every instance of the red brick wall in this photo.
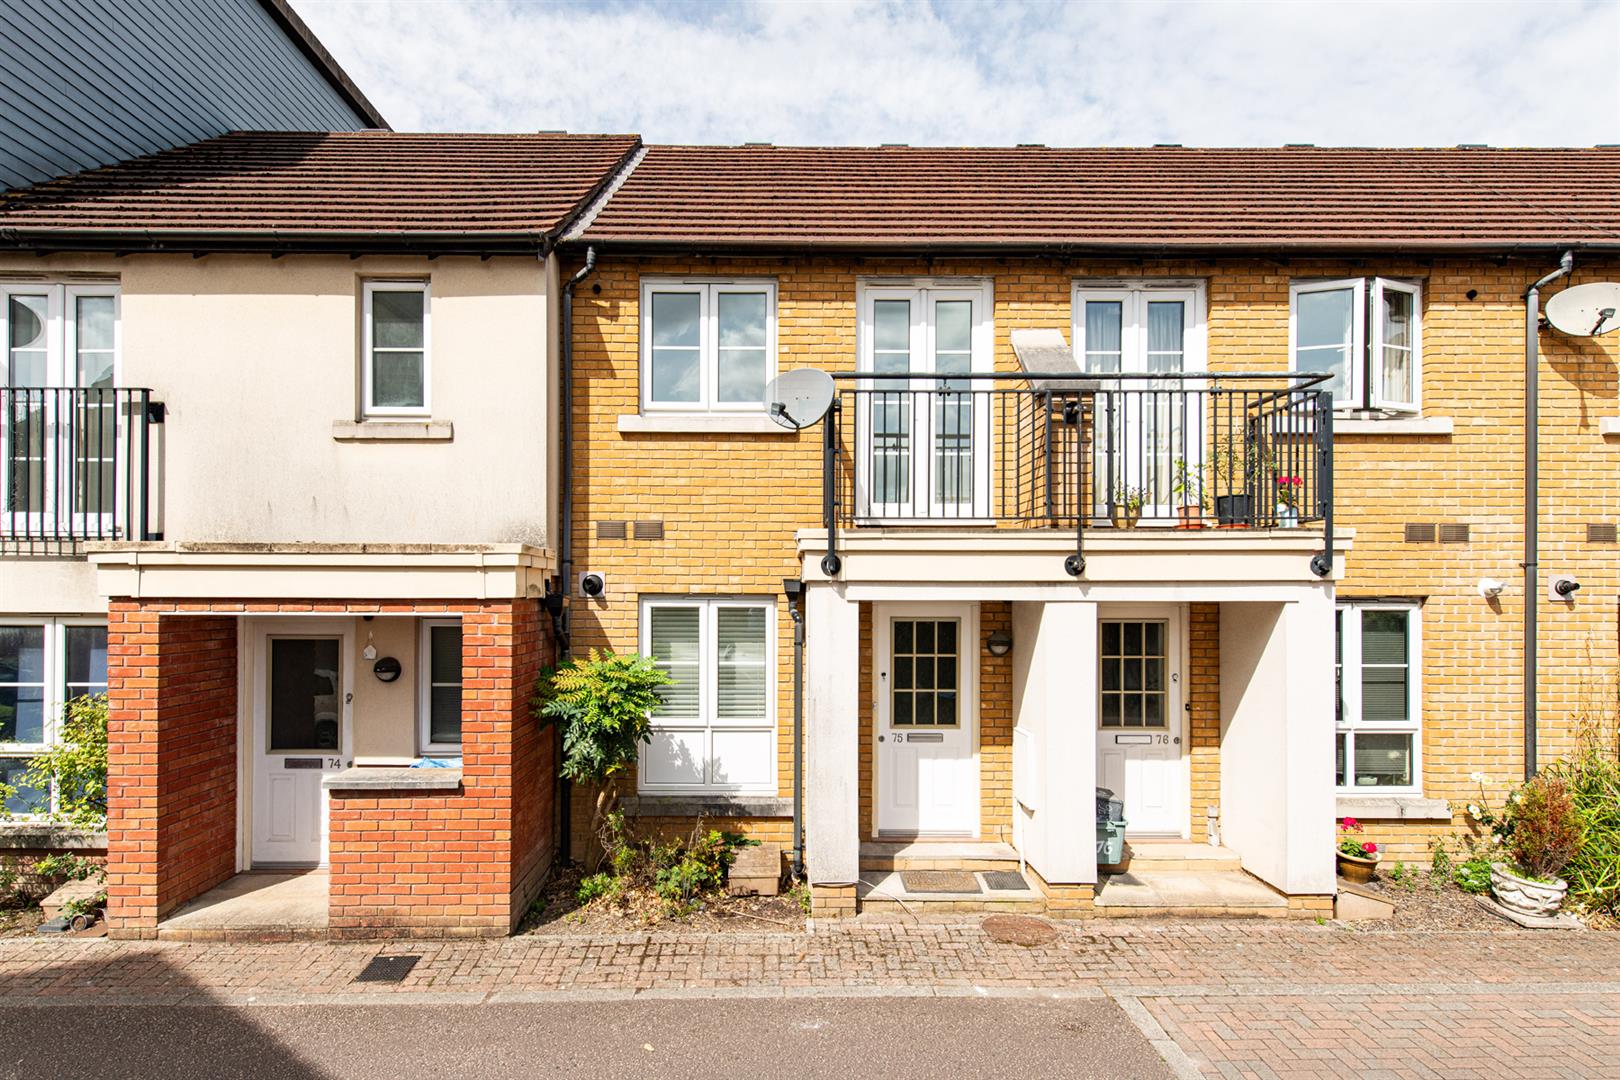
(461, 863)
(171, 761)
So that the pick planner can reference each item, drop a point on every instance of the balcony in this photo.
(1080, 453)
(78, 464)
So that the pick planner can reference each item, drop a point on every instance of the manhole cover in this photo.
(1019, 930)
(939, 881)
(1005, 881)
(387, 969)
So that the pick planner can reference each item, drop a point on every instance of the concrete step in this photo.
(1162, 856)
(1190, 894)
(886, 892)
(890, 855)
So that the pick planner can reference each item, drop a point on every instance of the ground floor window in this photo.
(441, 686)
(44, 663)
(716, 728)
(1378, 666)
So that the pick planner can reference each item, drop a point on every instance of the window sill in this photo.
(1609, 425)
(393, 430)
(1361, 425)
(1393, 808)
(711, 805)
(699, 424)
(27, 835)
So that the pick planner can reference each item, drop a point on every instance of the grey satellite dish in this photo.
(796, 399)
(1586, 310)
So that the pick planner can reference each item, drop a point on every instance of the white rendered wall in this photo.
(832, 732)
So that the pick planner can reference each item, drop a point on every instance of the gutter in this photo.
(1532, 498)
(708, 245)
(164, 241)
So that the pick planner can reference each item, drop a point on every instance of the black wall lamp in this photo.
(387, 669)
(999, 643)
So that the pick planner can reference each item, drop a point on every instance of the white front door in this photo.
(301, 696)
(926, 725)
(1140, 721)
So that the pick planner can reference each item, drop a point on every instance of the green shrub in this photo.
(597, 886)
(1546, 831)
(687, 871)
(1439, 861)
(1592, 778)
(1473, 875)
(76, 766)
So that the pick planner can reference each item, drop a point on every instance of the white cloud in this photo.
(968, 73)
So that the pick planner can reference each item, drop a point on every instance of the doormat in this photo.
(387, 969)
(939, 881)
(1005, 881)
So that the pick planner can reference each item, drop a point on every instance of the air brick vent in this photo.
(1419, 533)
(649, 530)
(1600, 532)
(610, 530)
(1454, 533)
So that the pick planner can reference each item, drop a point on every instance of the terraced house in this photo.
(1171, 472)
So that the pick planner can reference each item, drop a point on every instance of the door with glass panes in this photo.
(61, 429)
(1140, 721)
(1148, 443)
(926, 735)
(924, 441)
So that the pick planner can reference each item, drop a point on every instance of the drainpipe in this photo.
(793, 588)
(1532, 496)
(563, 623)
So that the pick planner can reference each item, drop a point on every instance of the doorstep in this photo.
(887, 892)
(889, 855)
(1153, 856)
(258, 906)
(1188, 894)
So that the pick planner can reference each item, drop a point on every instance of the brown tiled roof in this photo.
(268, 188)
(1098, 199)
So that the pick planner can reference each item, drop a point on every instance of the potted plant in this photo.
(1234, 475)
(1541, 833)
(1125, 506)
(1289, 489)
(1187, 484)
(1358, 859)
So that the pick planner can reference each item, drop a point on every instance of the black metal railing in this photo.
(76, 464)
(1249, 450)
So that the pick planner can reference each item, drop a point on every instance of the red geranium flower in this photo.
(1370, 848)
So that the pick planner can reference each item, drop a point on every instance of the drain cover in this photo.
(1019, 930)
(387, 969)
(1005, 881)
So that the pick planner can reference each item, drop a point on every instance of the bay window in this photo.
(1378, 667)
(715, 730)
(707, 346)
(1365, 333)
(44, 664)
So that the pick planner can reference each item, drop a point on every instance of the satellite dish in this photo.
(1586, 310)
(798, 398)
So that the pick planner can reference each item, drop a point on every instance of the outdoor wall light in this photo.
(387, 669)
(999, 643)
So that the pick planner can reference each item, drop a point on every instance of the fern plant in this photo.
(604, 705)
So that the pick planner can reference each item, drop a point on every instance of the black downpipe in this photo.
(563, 621)
(1532, 497)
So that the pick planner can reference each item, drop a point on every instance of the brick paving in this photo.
(1237, 999)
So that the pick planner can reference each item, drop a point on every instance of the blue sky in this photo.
(950, 73)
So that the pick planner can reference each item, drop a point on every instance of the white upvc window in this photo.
(1364, 332)
(716, 729)
(44, 664)
(396, 344)
(1378, 664)
(439, 683)
(707, 346)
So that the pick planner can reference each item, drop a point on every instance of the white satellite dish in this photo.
(796, 399)
(1586, 310)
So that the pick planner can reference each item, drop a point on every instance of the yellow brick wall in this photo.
(1204, 716)
(731, 503)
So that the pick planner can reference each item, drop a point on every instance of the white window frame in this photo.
(708, 290)
(709, 669)
(425, 684)
(55, 695)
(1134, 295)
(1365, 391)
(1350, 681)
(367, 375)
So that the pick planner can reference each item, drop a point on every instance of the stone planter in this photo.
(1124, 517)
(1538, 898)
(1352, 868)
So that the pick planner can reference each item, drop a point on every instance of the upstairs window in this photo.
(707, 346)
(1364, 332)
(395, 370)
(1378, 664)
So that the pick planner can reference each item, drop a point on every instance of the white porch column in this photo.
(1277, 706)
(1055, 743)
(832, 732)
